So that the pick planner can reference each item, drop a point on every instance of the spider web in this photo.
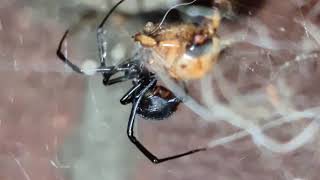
(266, 77)
(265, 84)
(265, 87)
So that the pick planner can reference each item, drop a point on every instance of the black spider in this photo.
(148, 99)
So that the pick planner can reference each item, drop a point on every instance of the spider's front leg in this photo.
(102, 43)
(102, 47)
(129, 68)
(61, 55)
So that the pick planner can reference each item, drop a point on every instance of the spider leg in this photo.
(102, 46)
(102, 43)
(154, 159)
(64, 58)
(129, 69)
(127, 98)
(115, 80)
(74, 67)
(107, 81)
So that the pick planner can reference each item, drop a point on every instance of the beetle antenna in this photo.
(165, 16)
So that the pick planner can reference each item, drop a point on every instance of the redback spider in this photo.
(190, 51)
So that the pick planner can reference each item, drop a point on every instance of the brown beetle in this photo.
(187, 51)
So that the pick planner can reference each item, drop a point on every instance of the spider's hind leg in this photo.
(135, 104)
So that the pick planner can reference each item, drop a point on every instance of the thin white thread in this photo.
(173, 7)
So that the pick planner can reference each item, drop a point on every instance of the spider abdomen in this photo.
(158, 104)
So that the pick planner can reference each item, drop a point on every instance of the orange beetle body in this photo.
(187, 51)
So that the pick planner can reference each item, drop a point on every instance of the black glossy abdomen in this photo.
(158, 107)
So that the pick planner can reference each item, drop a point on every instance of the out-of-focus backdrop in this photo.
(58, 125)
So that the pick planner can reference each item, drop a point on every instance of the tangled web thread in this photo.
(273, 103)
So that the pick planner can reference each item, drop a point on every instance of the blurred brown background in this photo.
(57, 125)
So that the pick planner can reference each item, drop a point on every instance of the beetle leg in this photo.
(216, 19)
